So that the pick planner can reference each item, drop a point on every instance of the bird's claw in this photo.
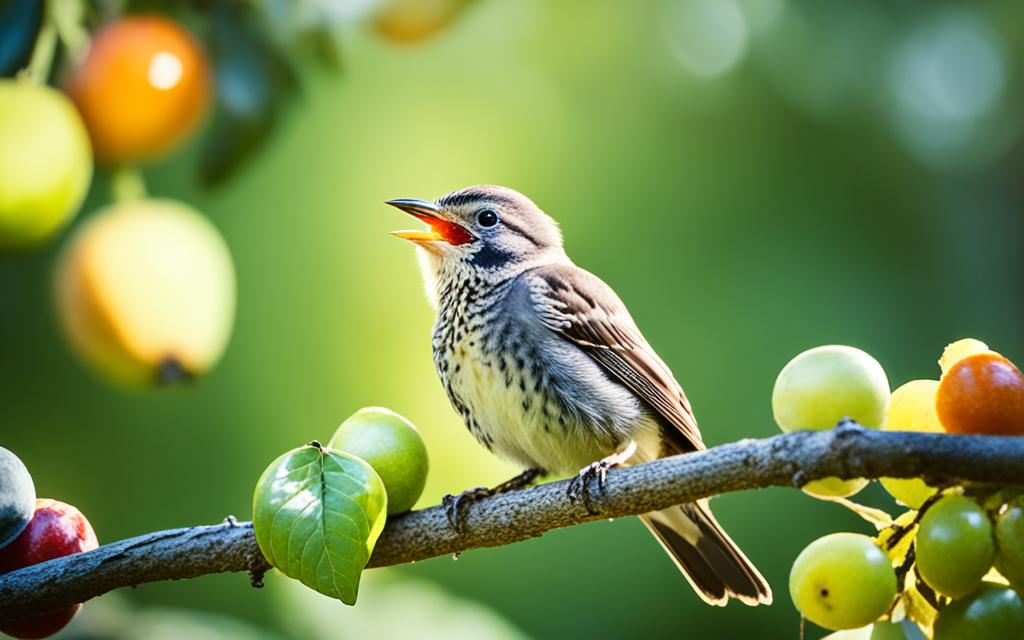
(579, 486)
(456, 506)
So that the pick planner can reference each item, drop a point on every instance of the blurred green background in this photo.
(753, 177)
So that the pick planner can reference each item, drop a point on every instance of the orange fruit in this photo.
(983, 393)
(142, 88)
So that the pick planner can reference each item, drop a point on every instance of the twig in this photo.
(794, 459)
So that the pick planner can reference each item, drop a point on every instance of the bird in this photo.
(548, 370)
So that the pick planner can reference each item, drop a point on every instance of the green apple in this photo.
(955, 547)
(393, 447)
(842, 581)
(820, 387)
(45, 163)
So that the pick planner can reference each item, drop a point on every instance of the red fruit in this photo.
(143, 87)
(984, 394)
(56, 530)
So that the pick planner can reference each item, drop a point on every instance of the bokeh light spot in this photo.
(946, 78)
(165, 71)
(709, 37)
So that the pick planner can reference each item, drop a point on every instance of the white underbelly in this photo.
(533, 429)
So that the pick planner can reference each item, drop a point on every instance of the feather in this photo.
(581, 307)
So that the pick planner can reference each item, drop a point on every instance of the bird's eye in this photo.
(486, 217)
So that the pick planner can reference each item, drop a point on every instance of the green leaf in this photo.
(317, 514)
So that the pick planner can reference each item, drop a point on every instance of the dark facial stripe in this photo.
(491, 257)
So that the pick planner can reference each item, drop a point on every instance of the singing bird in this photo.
(548, 369)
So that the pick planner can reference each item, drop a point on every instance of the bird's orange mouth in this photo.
(440, 230)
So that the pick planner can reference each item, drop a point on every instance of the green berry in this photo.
(955, 547)
(1010, 544)
(993, 612)
(393, 447)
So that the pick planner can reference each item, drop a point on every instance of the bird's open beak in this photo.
(440, 230)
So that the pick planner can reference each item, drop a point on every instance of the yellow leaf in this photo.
(877, 517)
(896, 539)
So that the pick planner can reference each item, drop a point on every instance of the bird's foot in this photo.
(455, 506)
(579, 486)
(521, 481)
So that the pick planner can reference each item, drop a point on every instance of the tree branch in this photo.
(792, 460)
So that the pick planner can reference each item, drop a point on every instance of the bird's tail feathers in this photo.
(712, 563)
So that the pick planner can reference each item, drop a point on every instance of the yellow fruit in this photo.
(957, 351)
(45, 163)
(411, 21)
(146, 292)
(912, 408)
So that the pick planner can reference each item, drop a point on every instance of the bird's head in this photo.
(485, 229)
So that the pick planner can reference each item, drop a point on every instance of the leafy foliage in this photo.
(20, 22)
(253, 80)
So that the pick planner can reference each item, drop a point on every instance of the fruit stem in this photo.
(38, 70)
(172, 372)
(127, 183)
(67, 17)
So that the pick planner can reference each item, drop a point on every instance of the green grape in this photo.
(842, 581)
(1010, 544)
(912, 408)
(993, 612)
(954, 545)
(820, 387)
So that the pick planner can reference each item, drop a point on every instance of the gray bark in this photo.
(790, 460)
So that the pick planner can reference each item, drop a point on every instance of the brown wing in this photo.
(580, 306)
